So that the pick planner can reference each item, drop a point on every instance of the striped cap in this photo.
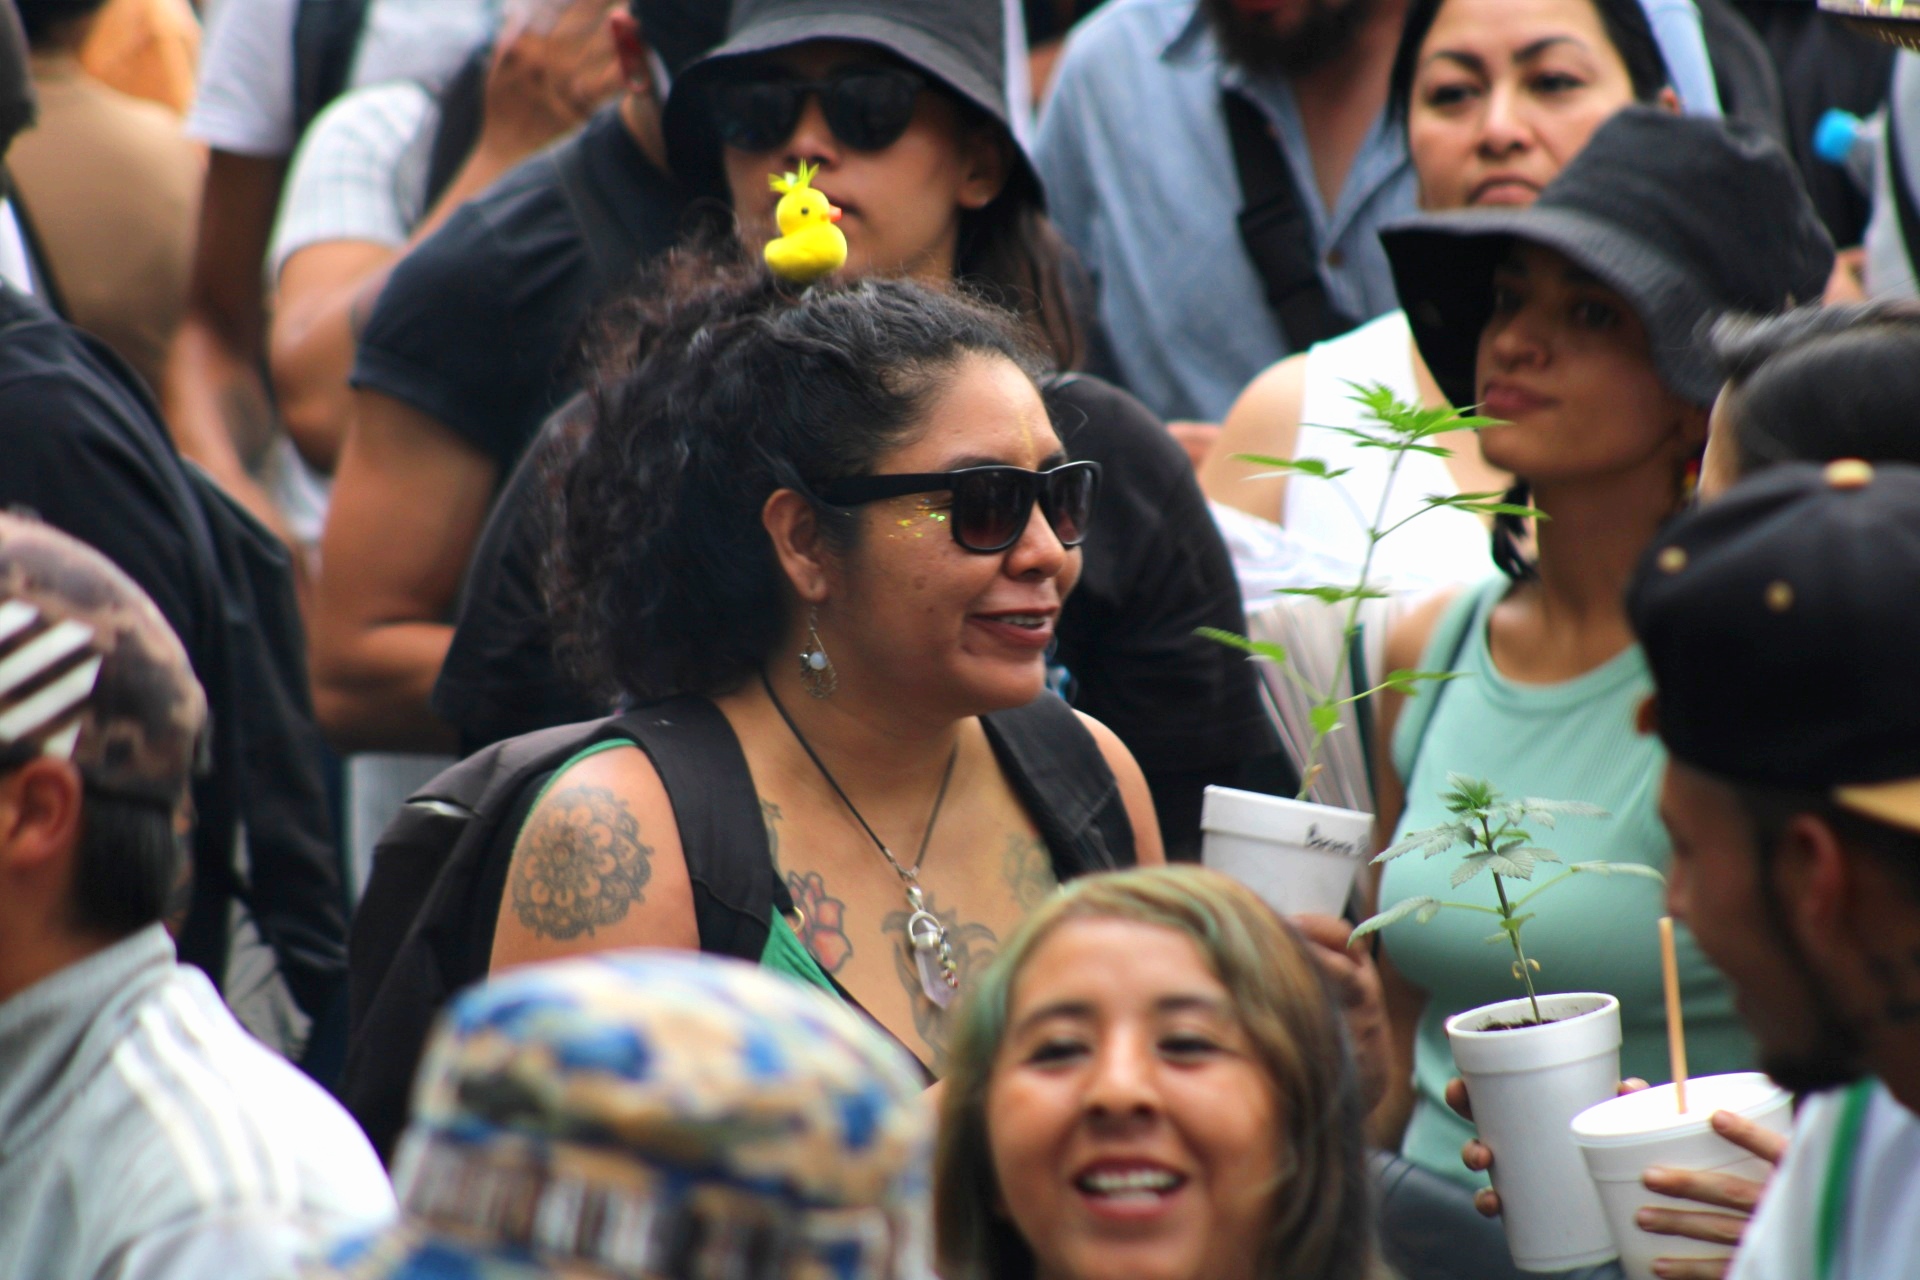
(89, 669)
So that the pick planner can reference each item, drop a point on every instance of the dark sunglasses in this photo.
(991, 505)
(868, 108)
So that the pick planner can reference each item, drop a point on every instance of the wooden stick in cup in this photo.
(1676, 1034)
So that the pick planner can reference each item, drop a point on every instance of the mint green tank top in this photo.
(1576, 740)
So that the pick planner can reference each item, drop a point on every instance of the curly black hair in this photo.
(723, 385)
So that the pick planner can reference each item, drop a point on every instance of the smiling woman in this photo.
(1152, 1082)
(837, 528)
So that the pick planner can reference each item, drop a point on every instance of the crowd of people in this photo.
(786, 707)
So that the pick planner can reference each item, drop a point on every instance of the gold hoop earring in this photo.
(816, 668)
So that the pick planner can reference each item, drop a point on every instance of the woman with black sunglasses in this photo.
(902, 104)
(899, 104)
(836, 529)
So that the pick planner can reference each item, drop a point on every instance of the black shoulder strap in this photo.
(1275, 229)
(46, 286)
(1068, 789)
(326, 34)
(1903, 200)
(463, 107)
(614, 253)
(722, 832)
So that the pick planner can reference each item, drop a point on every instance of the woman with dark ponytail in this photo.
(831, 531)
(1578, 323)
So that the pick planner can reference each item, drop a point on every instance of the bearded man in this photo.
(1170, 123)
(1778, 624)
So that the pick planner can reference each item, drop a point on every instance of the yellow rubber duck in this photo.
(809, 245)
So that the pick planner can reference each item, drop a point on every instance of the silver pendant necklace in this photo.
(927, 938)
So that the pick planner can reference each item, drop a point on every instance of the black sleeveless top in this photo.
(1052, 761)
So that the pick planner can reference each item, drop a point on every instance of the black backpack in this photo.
(326, 35)
(425, 927)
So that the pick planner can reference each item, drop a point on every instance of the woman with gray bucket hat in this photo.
(1580, 324)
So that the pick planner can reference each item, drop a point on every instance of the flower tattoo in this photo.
(822, 927)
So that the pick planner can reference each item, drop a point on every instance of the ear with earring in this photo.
(816, 668)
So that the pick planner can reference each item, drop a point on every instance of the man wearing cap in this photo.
(1779, 626)
(143, 1132)
(466, 353)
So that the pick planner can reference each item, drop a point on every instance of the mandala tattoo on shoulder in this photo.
(581, 866)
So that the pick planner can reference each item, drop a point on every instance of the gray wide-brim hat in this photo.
(960, 43)
(1685, 218)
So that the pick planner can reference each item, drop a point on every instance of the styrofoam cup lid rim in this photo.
(1634, 1118)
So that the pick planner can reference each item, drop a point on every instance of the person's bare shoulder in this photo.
(597, 865)
(1406, 642)
(1264, 420)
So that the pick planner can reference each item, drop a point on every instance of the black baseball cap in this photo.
(1685, 218)
(1779, 624)
(961, 43)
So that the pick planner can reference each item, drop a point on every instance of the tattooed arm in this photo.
(598, 865)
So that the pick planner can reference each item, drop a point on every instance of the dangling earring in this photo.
(816, 668)
(1690, 482)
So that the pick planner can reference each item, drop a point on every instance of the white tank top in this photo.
(1329, 518)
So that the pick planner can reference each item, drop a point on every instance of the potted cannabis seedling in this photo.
(1301, 854)
(1532, 1063)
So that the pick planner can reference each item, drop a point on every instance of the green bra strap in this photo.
(1839, 1180)
(785, 953)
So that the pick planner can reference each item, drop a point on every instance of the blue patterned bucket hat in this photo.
(662, 1115)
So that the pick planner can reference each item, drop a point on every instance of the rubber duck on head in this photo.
(809, 245)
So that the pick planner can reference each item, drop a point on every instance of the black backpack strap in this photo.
(722, 832)
(326, 35)
(1904, 203)
(614, 253)
(463, 109)
(45, 286)
(1069, 791)
(1275, 229)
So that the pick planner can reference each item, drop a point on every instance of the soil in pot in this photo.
(1516, 1026)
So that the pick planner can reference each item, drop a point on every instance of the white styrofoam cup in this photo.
(1526, 1085)
(1298, 856)
(1623, 1137)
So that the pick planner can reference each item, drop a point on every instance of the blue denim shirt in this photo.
(1140, 178)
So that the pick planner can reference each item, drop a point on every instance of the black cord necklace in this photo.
(932, 950)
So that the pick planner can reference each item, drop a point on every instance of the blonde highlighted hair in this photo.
(1322, 1226)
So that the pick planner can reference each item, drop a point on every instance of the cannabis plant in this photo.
(1494, 831)
(1399, 429)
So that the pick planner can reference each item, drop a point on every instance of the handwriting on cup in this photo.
(1345, 848)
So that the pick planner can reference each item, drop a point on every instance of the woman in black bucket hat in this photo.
(902, 103)
(1579, 322)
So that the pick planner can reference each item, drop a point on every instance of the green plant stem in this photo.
(1352, 626)
(1513, 935)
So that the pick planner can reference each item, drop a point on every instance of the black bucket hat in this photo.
(1686, 218)
(961, 43)
(680, 30)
